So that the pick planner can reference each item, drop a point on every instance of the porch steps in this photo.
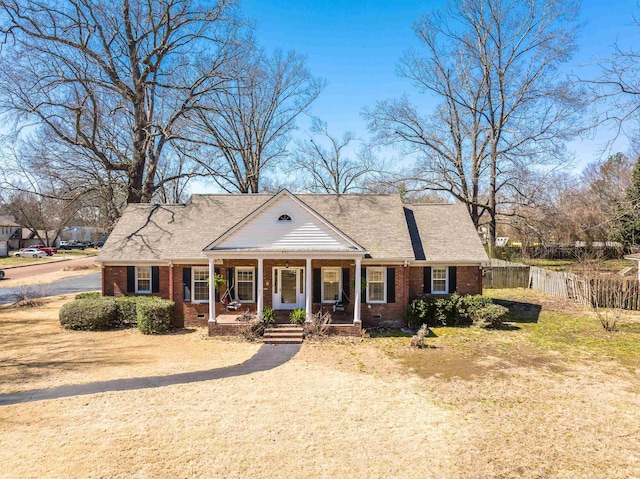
(283, 334)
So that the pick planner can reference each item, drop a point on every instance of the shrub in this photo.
(89, 295)
(154, 315)
(298, 316)
(319, 324)
(421, 311)
(491, 315)
(89, 314)
(127, 309)
(269, 316)
(455, 310)
(252, 326)
(30, 296)
(417, 340)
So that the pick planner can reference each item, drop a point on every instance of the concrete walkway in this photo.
(269, 356)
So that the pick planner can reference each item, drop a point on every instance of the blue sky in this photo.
(355, 46)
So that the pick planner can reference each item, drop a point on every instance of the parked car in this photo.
(1, 274)
(73, 245)
(31, 253)
(47, 249)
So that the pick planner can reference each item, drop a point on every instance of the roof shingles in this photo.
(377, 222)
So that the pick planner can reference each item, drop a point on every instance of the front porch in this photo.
(286, 282)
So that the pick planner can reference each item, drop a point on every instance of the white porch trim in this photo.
(212, 292)
(260, 288)
(308, 290)
(358, 292)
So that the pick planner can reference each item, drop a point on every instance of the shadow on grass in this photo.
(520, 312)
(396, 333)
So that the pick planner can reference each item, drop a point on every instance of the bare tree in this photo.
(328, 164)
(113, 81)
(244, 129)
(504, 107)
(42, 214)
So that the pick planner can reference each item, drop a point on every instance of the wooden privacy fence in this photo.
(605, 291)
(504, 274)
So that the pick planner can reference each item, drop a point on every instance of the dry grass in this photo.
(35, 352)
(483, 404)
(12, 261)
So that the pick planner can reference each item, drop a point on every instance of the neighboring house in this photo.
(7, 229)
(30, 238)
(293, 251)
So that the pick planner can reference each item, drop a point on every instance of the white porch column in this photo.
(212, 292)
(308, 288)
(260, 293)
(358, 288)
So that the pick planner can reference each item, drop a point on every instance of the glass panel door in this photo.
(288, 283)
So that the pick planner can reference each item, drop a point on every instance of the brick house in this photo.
(291, 251)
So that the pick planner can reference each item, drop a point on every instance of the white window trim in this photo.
(331, 268)
(253, 283)
(446, 280)
(384, 284)
(144, 291)
(193, 284)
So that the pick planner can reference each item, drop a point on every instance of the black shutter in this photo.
(391, 285)
(131, 279)
(426, 287)
(186, 284)
(155, 279)
(346, 286)
(216, 271)
(452, 279)
(317, 285)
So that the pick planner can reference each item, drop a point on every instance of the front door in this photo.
(288, 287)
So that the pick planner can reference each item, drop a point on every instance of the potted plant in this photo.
(298, 316)
(269, 316)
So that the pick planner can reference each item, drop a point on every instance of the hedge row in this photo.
(455, 310)
(91, 312)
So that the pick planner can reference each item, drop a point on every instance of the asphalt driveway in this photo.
(78, 284)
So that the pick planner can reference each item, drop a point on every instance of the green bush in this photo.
(127, 309)
(89, 295)
(154, 315)
(298, 316)
(269, 316)
(490, 316)
(454, 310)
(90, 314)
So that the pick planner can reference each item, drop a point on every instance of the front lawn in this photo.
(551, 396)
(12, 261)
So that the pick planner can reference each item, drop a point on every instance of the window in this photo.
(331, 284)
(200, 285)
(376, 280)
(143, 280)
(439, 280)
(284, 218)
(244, 284)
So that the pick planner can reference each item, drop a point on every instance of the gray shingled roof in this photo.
(444, 232)
(163, 232)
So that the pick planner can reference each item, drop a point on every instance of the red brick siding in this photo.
(390, 314)
(468, 280)
(114, 280)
